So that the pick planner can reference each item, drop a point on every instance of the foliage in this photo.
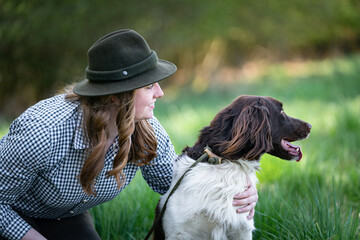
(317, 198)
(43, 43)
(43, 47)
(319, 217)
(129, 216)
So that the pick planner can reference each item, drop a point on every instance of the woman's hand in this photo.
(32, 234)
(247, 201)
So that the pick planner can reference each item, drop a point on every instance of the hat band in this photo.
(124, 73)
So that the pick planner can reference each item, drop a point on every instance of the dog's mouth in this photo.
(291, 149)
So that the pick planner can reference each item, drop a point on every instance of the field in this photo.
(316, 198)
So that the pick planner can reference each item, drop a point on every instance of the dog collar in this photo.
(212, 157)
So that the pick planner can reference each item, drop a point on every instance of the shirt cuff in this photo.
(17, 229)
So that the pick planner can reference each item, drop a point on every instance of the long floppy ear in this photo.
(251, 134)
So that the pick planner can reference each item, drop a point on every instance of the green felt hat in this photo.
(121, 61)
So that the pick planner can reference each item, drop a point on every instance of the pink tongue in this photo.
(292, 149)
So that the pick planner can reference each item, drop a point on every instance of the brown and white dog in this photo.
(201, 207)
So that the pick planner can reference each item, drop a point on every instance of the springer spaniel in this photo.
(201, 207)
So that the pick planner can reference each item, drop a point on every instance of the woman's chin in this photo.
(144, 117)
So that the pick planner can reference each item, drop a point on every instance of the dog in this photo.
(201, 207)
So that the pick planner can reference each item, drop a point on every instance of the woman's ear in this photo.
(251, 134)
(114, 99)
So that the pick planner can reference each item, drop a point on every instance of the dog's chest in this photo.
(207, 191)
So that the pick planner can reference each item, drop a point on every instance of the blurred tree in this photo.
(43, 43)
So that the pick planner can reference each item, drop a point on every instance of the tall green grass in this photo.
(320, 216)
(130, 215)
(316, 198)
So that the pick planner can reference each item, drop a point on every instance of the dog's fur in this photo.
(201, 207)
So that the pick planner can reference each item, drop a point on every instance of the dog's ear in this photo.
(251, 133)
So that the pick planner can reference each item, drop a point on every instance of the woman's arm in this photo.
(22, 154)
(158, 174)
(32, 234)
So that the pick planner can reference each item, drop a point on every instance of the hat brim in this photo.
(162, 70)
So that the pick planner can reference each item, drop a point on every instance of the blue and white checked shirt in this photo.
(41, 157)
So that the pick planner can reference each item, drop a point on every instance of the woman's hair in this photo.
(137, 141)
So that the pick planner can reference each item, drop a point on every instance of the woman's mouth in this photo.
(152, 106)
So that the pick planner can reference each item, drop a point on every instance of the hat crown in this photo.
(121, 61)
(117, 50)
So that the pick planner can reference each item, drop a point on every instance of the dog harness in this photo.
(212, 159)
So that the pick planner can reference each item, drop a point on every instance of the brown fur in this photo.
(249, 127)
(246, 129)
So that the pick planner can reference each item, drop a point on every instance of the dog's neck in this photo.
(248, 166)
(197, 151)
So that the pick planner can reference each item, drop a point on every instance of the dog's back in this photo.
(201, 207)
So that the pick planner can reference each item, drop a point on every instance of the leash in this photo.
(214, 160)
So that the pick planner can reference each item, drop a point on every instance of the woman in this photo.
(69, 153)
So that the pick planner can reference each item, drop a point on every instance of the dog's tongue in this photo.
(292, 149)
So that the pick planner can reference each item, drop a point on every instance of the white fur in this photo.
(201, 208)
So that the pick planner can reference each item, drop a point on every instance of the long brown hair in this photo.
(137, 141)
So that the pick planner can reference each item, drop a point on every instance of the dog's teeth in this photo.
(298, 149)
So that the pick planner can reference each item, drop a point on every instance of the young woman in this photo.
(71, 152)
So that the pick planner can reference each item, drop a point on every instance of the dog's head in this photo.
(251, 126)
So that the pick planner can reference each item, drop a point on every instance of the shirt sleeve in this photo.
(22, 154)
(158, 175)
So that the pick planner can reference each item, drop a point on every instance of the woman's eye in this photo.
(150, 86)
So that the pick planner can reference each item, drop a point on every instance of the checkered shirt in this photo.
(41, 157)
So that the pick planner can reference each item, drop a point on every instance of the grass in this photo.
(317, 198)
(129, 215)
(320, 217)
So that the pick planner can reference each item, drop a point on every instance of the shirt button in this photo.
(71, 212)
(58, 219)
(85, 201)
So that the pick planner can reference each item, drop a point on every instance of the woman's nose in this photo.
(158, 93)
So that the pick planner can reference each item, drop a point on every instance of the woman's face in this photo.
(145, 99)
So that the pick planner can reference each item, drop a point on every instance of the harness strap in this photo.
(156, 221)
